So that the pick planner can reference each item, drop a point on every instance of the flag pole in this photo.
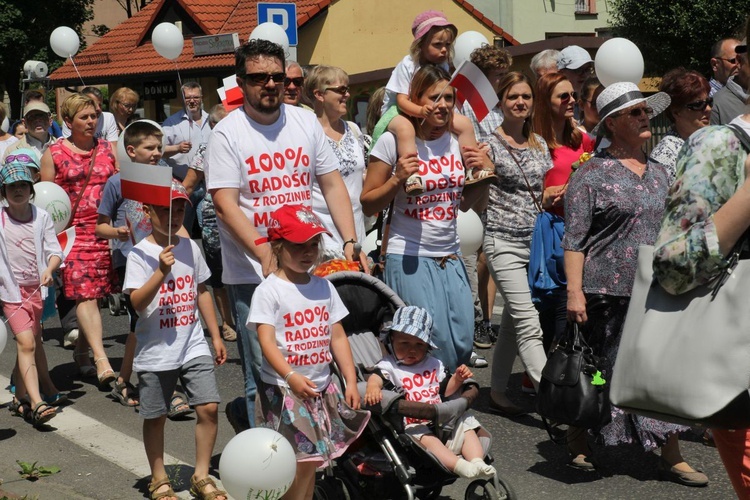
(440, 95)
(169, 230)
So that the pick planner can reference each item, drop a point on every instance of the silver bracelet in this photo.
(286, 377)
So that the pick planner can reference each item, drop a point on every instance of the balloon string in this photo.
(184, 104)
(78, 72)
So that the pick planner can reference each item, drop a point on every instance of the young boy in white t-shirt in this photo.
(165, 277)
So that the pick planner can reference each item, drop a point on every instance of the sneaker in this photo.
(527, 386)
(494, 331)
(70, 339)
(481, 336)
(477, 361)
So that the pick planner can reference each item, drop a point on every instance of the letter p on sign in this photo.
(283, 14)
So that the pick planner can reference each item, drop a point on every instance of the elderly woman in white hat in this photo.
(613, 204)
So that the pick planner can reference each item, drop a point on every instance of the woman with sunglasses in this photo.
(553, 120)
(613, 204)
(122, 104)
(327, 89)
(689, 111)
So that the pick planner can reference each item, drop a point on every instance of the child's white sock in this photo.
(466, 469)
(485, 470)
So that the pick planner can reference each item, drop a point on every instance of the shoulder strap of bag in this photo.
(537, 204)
(83, 188)
(741, 135)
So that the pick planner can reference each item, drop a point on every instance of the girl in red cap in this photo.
(298, 318)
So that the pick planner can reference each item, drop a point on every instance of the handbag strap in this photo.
(83, 188)
(526, 180)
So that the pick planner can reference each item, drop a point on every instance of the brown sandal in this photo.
(197, 487)
(155, 485)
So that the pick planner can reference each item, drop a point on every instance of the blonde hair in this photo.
(320, 77)
(277, 246)
(122, 94)
(415, 50)
(373, 109)
(74, 104)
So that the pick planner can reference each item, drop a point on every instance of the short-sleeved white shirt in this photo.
(302, 316)
(271, 165)
(400, 81)
(106, 127)
(169, 330)
(425, 225)
(420, 382)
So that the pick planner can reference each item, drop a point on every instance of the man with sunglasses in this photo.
(723, 63)
(264, 155)
(293, 84)
(729, 102)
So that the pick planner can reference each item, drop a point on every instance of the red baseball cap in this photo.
(295, 223)
(179, 192)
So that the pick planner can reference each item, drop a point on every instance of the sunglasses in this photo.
(23, 158)
(566, 96)
(297, 81)
(342, 90)
(264, 78)
(636, 112)
(700, 105)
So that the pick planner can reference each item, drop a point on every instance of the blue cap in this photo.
(415, 321)
(25, 156)
(15, 172)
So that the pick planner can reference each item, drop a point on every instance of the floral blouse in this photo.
(666, 152)
(511, 212)
(709, 170)
(609, 212)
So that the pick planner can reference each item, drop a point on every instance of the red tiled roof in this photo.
(487, 22)
(125, 53)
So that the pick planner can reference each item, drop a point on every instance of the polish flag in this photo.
(150, 184)
(230, 94)
(471, 85)
(66, 240)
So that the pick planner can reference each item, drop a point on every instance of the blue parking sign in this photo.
(283, 14)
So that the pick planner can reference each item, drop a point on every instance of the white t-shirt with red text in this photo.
(420, 382)
(425, 225)
(169, 330)
(302, 316)
(271, 165)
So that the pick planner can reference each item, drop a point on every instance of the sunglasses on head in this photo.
(297, 81)
(264, 78)
(23, 158)
(700, 105)
(566, 96)
(342, 90)
(636, 112)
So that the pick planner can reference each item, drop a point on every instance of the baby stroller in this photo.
(386, 463)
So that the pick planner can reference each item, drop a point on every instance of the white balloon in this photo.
(168, 40)
(257, 463)
(3, 335)
(470, 232)
(122, 156)
(465, 44)
(618, 60)
(55, 201)
(370, 243)
(64, 41)
(273, 33)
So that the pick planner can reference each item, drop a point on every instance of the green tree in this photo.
(25, 36)
(677, 32)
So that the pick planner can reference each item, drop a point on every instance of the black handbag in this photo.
(572, 391)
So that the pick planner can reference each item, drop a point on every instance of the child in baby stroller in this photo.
(386, 462)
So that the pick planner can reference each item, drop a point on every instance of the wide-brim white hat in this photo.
(622, 95)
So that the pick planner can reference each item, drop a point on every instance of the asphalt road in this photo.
(96, 443)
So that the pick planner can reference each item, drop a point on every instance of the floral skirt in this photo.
(606, 318)
(319, 429)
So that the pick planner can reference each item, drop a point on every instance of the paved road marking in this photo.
(106, 442)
